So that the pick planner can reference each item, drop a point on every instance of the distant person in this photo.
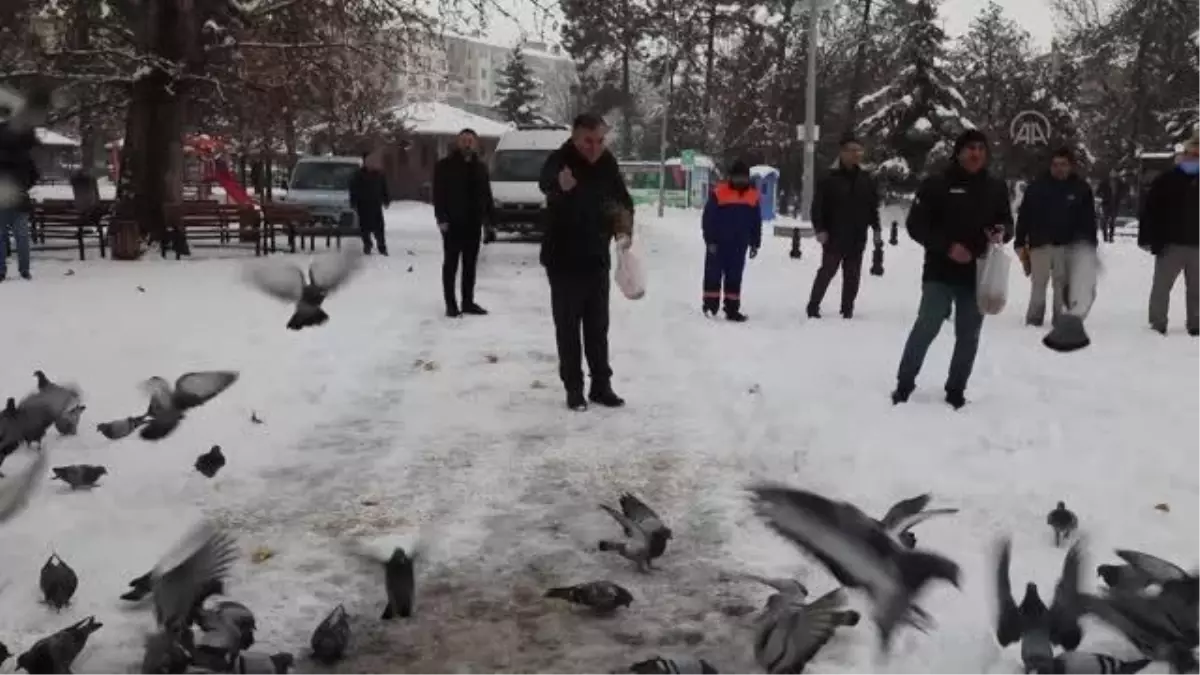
(845, 206)
(1167, 228)
(732, 227)
(1107, 196)
(369, 197)
(583, 186)
(954, 216)
(462, 204)
(18, 175)
(1058, 210)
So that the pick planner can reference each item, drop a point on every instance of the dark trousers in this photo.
(579, 304)
(851, 264)
(369, 227)
(936, 299)
(723, 270)
(460, 243)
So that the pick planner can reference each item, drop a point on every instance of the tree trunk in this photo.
(860, 66)
(710, 59)
(626, 97)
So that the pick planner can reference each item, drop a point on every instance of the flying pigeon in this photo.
(1035, 626)
(646, 535)
(787, 587)
(790, 633)
(1143, 569)
(1063, 522)
(79, 475)
(168, 405)
(56, 653)
(58, 582)
(286, 281)
(856, 550)
(602, 596)
(662, 666)
(908, 513)
(332, 636)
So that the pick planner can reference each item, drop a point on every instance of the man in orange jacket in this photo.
(732, 225)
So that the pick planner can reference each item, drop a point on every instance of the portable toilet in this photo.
(766, 179)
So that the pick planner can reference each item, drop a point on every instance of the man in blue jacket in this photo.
(732, 225)
(1058, 210)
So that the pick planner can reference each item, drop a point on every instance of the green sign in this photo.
(688, 157)
(649, 196)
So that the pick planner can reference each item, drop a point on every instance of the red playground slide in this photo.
(233, 189)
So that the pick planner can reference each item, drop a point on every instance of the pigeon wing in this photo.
(159, 391)
(279, 279)
(201, 558)
(15, 490)
(331, 271)
(193, 389)
(904, 508)
(1154, 567)
(1064, 608)
(910, 521)
(631, 528)
(639, 512)
(1008, 618)
(788, 587)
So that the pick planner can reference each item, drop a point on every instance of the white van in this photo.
(516, 167)
(323, 185)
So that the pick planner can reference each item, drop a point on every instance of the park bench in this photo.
(54, 222)
(298, 223)
(215, 224)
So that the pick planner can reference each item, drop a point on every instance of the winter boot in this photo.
(813, 311)
(1193, 331)
(733, 311)
(1160, 328)
(710, 307)
(956, 398)
(847, 312)
(471, 308)
(576, 401)
(452, 310)
(901, 394)
(602, 394)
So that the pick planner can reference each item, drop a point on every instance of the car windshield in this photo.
(518, 166)
(323, 176)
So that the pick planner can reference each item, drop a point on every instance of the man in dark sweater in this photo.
(369, 197)
(845, 206)
(1167, 228)
(18, 174)
(955, 216)
(462, 202)
(583, 187)
(1057, 211)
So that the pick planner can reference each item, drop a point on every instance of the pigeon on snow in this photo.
(1035, 626)
(79, 475)
(856, 550)
(58, 582)
(67, 424)
(400, 584)
(168, 405)
(210, 462)
(790, 633)
(602, 596)
(1064, 523)
(1142, 570)
(646, 535)
(56, 653)
(332, 636)
(286, 281)
(37, 412)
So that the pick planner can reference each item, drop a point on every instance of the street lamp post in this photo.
(810, 114)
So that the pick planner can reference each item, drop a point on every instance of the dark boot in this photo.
(452, 310)
(813, 311)
(956, 398)
(901, 394)
(710, 307)
(847, 312)
(1159, 328)
(602, 394)
(733, 311)
(1194, 332)
(576, 401)
(472, 308)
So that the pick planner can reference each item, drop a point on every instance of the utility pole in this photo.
(662, 145)
(810, 114)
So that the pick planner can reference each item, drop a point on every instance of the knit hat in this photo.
(967, 137)
(739, 168)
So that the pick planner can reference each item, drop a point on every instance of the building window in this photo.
(483, 73)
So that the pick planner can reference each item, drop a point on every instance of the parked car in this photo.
(323, 185)
(516, 166)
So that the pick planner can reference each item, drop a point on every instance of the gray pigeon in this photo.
(332, 636)
(210, 462)
(636, 547)
(120, 428)
(1063, 522)
(657, 533)
(168, 405)
(58, 582)
(1037, 627)
(786, 587)
(856, 550)
(602, 596)
(79, 475)
(908, 513)
(224, 633)
(1143, 569)
(37, 412)
(285, 281)
(1088, 663)
(15, 491)
(56, 653)
(10, 436)
(1164, 627)
(67, 424)
(789, 633)
(662, 666)
(399, 580)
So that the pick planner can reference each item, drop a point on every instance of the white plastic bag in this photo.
(630, 277)
(991, 292)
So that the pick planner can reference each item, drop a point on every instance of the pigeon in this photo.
(856, 550)
(1063, 522)
(210, 462)
(908, 513)
(264, 664)
(37, 412)
(15, 491)
(648, 521)
(79, 475)
(786, 587)
(646, 535)
(1088, 663)
(168, 405)
(58, 582)
(255, 419)
(1143, 569)
(56, 653)
(332, 636)
(226, 630)
(602, 596)
(139, 588)
(10, 437)
(1035, 626)
(789, 633)
(118, 429)
(240, 617)
(286, 281)
(400, 585)
(662, 666)
(4, 653)
(67, 424)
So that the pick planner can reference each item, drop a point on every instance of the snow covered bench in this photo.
(58, 220)
(216, 224)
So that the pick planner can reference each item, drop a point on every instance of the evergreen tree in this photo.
(1057, 97)
(519, 93)
(991, 62)
(917, 115)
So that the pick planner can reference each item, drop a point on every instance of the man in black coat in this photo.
(583, 187)
(955, 216)
(1058, 210)
(369, 197)
(1167, 228)
(845, 206)
(462, 202)
(18, 174)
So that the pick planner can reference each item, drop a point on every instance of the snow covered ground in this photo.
(393, 422)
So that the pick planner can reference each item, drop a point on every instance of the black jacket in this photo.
(957, 207)
(578, 229)
(1056, 213)
(462, 192)
(369, 196)
(845, 204)
(17, 163)
(1169, 212)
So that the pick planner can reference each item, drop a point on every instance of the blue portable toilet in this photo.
(766, 179)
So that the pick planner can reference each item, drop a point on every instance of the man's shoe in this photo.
(576, 401)
(735, 316)
(472, 308)
(1160, 328)
(813, 312)
(955, 398)
(26, 276)
(1194, 331)
(848, 313)
(901, 394)
(383, 251)
(1036, 323)
(452, 311)
(606, 397)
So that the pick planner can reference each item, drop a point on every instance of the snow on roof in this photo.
(531, 47)
(763, 170)
(55, 139)
(433, 118)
